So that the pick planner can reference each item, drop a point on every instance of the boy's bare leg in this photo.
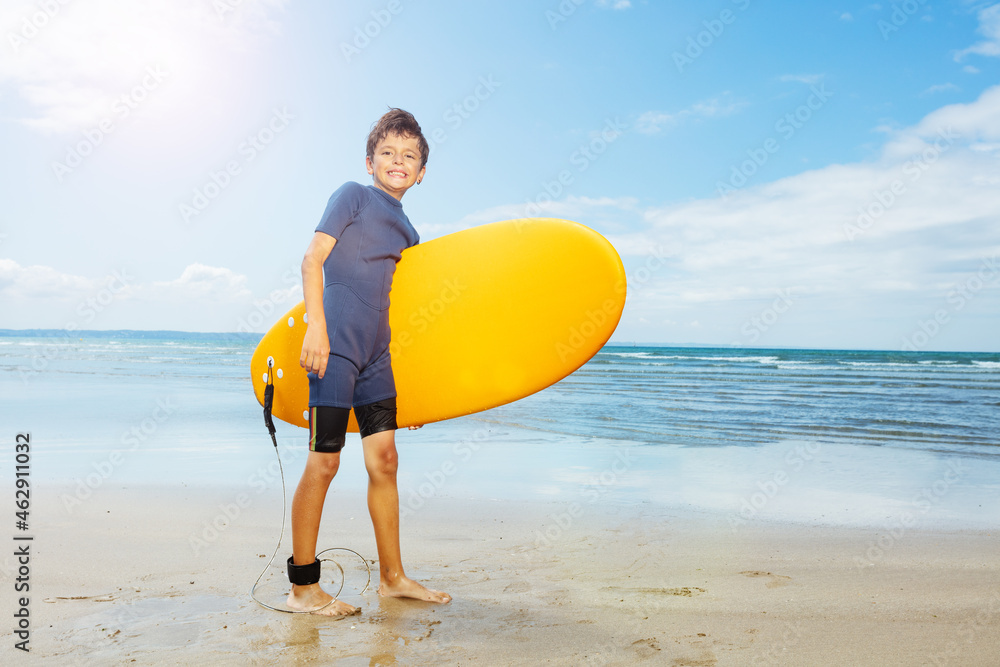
(383, 505)
(307, 509)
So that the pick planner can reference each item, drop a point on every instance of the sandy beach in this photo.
(686, 508)
(149, 575)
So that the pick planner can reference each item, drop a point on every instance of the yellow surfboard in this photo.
(479, 318)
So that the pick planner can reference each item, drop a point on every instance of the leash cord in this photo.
(268, 402)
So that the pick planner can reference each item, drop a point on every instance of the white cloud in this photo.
(653, 122)
(570, 208)
(71, 63)
(614, 4)
(808, 79)
(42, 282)
(197, 281)
(202, 282)
(896, 233)
(976, 121)
(941, 88)
(989, 26)
(201, 298)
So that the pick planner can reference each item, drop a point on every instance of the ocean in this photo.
(855, 434)
(933, 401)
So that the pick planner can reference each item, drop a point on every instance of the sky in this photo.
(820, 174)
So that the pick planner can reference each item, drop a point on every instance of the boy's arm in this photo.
(316, 345)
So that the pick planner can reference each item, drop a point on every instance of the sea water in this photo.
(837, 436)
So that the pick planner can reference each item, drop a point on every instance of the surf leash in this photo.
(269, 422)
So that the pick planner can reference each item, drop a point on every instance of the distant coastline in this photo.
(127, 334)
(168, 334)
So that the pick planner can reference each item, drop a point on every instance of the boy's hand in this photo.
(315, 350)
(414, 428)
(316, 344)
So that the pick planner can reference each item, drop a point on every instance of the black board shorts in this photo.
(328, 425)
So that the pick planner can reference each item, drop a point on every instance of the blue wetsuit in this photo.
(371, 231)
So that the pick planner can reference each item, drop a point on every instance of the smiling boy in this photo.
(346, 276)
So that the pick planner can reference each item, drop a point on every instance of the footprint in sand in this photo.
(517, 587)
(699, 652)
(646, 648)
(683, 591)
(775, 580)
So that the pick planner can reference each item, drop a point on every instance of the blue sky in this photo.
(773, 174)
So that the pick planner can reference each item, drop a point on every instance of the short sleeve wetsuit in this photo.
(371, 231)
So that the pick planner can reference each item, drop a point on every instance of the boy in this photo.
(346, 352)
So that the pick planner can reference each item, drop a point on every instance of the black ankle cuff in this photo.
(303, 575)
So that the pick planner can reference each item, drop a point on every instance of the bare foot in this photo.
(404, 587)
(312, 597)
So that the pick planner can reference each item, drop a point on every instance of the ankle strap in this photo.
(303, 575)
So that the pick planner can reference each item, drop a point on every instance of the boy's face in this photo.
(395, 166)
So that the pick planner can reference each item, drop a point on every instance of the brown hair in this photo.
(397, 121)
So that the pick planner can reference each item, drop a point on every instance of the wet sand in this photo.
(161, 576)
